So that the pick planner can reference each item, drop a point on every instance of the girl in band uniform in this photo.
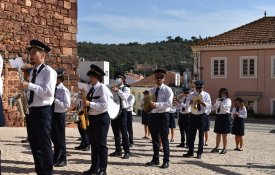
(223, 121)
(239, 113)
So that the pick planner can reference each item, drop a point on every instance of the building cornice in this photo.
(233, 47)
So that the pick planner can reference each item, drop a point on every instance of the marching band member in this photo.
(199, 104)
(120, 123)
(206, 125)
(97, 100)
(85, 143)
(184, 115)
(41, 96)
(145, 116)
(223, 121)
(131, 101)
(62, 103)
(239, 113)
(159, 118)
(172, 120)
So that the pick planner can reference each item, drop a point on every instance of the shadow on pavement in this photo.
(213, 167)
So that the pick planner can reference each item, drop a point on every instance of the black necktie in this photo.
(32, 81)
(157, 93)
(34, 75)
(90, 94)
(183, 109)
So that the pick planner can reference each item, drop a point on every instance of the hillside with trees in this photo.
(169, 54)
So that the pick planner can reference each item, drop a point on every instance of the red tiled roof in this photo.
(261, 31)
(150, 80)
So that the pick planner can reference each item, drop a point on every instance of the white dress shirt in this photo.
(100, 101)
(173, 109)
(1, 80)
(165, 99)
(131, 101)
(185, 105)
(124, 93)
(205, 97)
(62, 100)
(242, 112)
(224, 105)
(44, 86)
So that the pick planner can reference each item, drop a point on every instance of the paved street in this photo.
(258, 156)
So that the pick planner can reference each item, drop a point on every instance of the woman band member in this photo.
(223, 120)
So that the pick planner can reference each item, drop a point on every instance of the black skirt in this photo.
(172, 121)
(222, 124)
(144, 118)
(238, 126)
(206, 123)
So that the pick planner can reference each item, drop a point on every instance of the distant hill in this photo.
(123, 57)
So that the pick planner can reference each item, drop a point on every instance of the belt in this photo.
(197, 115)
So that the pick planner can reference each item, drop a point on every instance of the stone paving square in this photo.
(258, 156)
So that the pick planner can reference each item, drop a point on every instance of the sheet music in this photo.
(16, 62)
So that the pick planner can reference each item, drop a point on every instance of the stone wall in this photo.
(53, 22)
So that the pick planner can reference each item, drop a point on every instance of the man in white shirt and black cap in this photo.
(62, 103)
(200, 103)
(159, 118)
(99, 121)
(119, 125)
(41, 96)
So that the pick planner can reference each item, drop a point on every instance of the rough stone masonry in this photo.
(51, 21)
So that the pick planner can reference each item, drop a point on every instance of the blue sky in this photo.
(124, 21)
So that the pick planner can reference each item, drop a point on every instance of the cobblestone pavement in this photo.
(258, 156)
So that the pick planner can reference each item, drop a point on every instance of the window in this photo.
(218, 67)
(273, 67)
(248, 67)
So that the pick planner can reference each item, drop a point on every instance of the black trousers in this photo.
(97, 132)
(83, 134)
(39, 133)
(120, 125)
(58, 134)
(196, 123)
(130, 126)
(184, 128)
(159, 128)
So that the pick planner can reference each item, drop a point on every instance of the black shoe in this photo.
(25, 141)
(198, 156)
(80, 147)
(152, 163)
(90, 172)
(206, 144)
(215, 150)
(224, 151)
(61, 163)
(182, 145)
(86, 148)
(126, 156)
(131, 145)
(116, 154)
(101, 172)
(164, 165)
(188, 155)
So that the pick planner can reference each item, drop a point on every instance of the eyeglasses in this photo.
(159, 77)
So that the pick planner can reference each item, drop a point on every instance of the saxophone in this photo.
(83, 117)
(20, 97)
